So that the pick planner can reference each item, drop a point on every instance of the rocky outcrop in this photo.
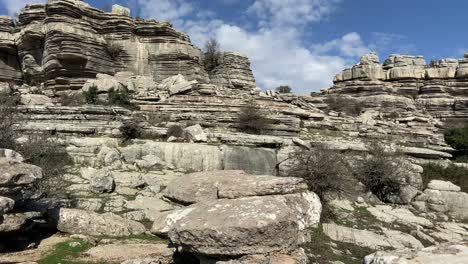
(262, 215)
(234, 72)
(406, 82)
(444, 197)
(65, 43)
(444, 253)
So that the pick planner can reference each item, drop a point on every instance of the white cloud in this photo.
(275, 47)
(165, 10)
(291, 12)
(350, 45)
(278, 58)
(14, 6)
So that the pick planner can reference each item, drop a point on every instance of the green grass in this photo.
(321, 249)
(63, 253)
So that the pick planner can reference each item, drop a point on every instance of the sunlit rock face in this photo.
(65, 42)
(407, 82)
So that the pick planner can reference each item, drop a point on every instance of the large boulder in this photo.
(445, 197)
(445, 253)
(102, 181)
(247, 226)
(75, 221)
(213, 185)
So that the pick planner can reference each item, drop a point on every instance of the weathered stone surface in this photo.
(77, 221)
(11, 155)
(445, 253)
(389, 214)
(443, 186)
(6, 205)
(369, 239)
(209, 186)
(13, 174)
(234, 72)
(102, 181)
(195, 134)
(295, 257)
(35, 99)
(17, 222)
(251, 225)
(129, 252)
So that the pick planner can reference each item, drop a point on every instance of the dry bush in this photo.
(175, 131)
(74, 99)
(8, 118)
(212, 54)
(252, 119)
(343, 104)
(457, 138)
(380, 171)
(131, 129)
(91, 96)
(114, 49)
(46, 152)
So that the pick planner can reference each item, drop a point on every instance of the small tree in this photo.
(175, 131)
(252, 119)
(212, 54)
(284, 89)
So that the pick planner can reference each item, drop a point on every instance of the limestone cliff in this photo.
(406, 82)
(65, 42)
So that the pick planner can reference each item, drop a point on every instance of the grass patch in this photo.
(64, 253)
(321, 250)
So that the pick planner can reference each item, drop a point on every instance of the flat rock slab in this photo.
(209, 186)
(447, 254)
(364, 238)
(250, 225)
(18, 174)
(75, 221)
(116, 253)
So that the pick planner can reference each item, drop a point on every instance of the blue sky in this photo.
(304, 43)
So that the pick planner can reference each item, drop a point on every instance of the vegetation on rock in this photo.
(343, 104)
(212, 54)
(91, 96)
(114, 49)
(175, 131)
(252, 119)
(131, 129)
(380, 171)
(8, 118)
(452, 173)
(458, 139)
(324, 170)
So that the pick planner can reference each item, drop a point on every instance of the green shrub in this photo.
(131, 129)
(324, 170)
(452, 173)
(114, 49)
(121, 98)
(458, 139)
(380, 171)
(175, 131)
(343, 104)
(91, 96)
(74, 99)
(252, 119)
(8, 118)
